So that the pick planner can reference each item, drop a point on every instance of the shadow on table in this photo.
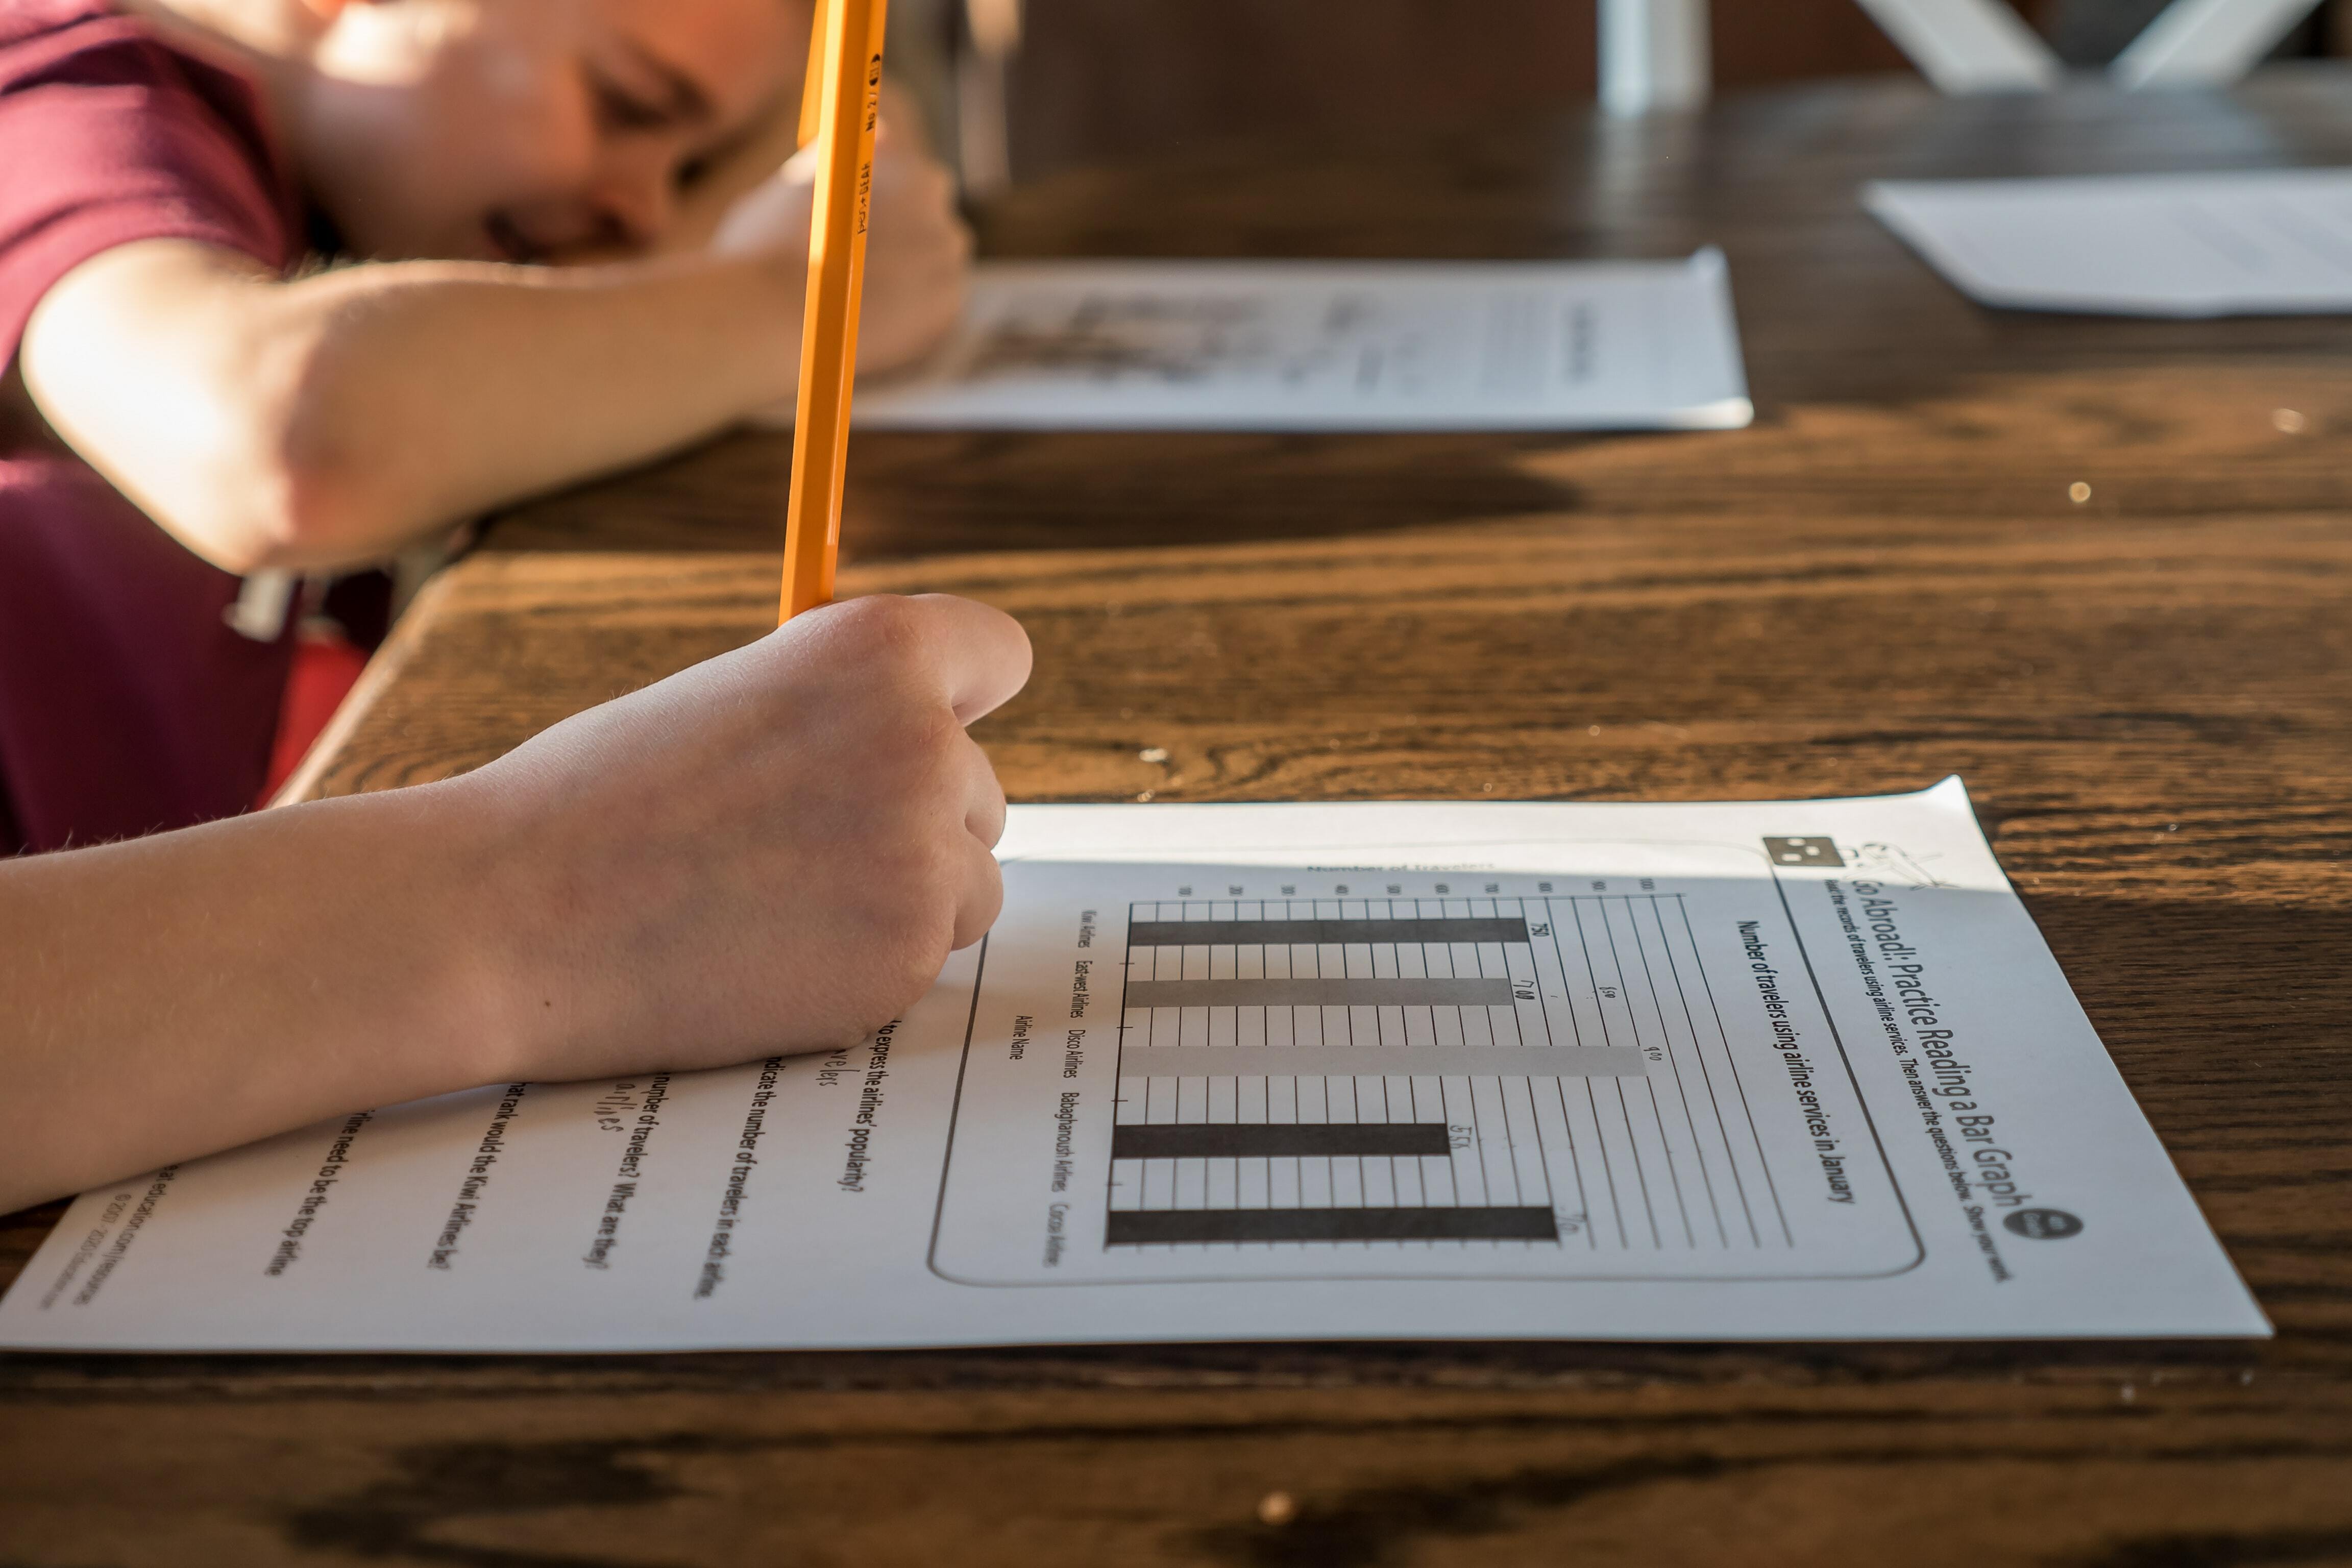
(928, 494)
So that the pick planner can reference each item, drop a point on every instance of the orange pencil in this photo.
(848, 102)
(813, 83)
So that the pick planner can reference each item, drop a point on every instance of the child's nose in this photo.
(634, 193)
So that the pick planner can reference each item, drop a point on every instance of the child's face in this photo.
(518, 129)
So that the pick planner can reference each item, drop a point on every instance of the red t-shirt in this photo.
(127, 704)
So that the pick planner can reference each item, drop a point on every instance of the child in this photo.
(184, 403)
(773, 851)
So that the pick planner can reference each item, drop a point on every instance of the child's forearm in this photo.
(174, 995)
(334, 419)
(435, 390)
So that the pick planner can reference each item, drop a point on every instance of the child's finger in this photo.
(983, 897)
(980, 654)
(983, 816)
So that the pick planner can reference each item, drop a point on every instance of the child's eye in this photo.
(621, 109)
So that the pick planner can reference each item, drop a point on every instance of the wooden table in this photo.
(1883, 582)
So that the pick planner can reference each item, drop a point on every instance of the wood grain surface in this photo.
(1883, 582)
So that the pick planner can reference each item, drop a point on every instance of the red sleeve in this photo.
(108, 137)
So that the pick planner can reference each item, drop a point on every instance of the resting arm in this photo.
(335, 418)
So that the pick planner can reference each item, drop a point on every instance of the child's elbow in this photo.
(294, 490)
(274, 511)
(247, 435)
(321, 509)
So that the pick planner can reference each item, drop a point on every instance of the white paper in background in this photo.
(2265, 242)
(1330, 345)
(1762, 1071)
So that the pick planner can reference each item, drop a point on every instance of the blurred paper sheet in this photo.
(1327, 345)
(2266, 242)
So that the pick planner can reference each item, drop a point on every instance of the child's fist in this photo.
(917, 247)
(772, 852)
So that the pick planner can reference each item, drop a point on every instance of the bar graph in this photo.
(1503, 1072)
(1283, 1072)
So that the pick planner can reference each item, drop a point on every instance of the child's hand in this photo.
(772, 852)
(916, 250)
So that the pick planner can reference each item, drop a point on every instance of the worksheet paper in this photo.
(1784, 1072)
(1330, 345)
(2269, 242)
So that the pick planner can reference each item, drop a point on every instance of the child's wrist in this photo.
(478, 995)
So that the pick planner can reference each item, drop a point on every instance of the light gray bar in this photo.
(1339, 993)
(1375, 1061)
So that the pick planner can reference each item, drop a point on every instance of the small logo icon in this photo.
(2043, 1225)
(1804, 852)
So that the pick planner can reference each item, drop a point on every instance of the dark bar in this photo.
(1145, 1227)
(1281, 933)
(1225, 1141)
(1280, 991)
